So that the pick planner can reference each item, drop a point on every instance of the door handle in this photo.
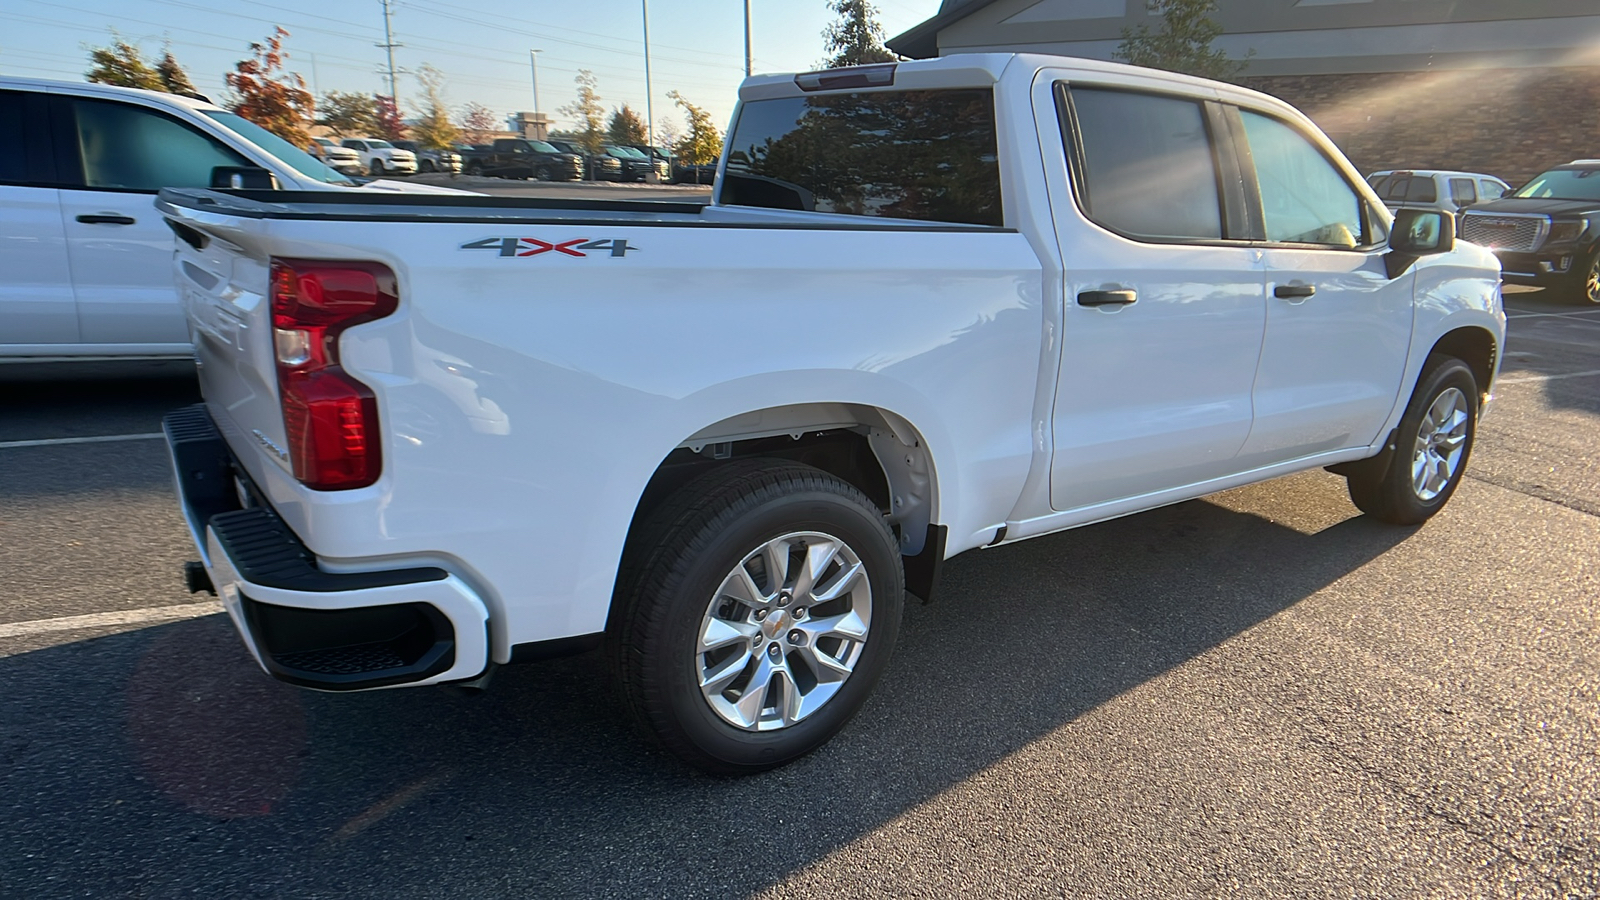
(106, 220)
(1290, 291)
(1106, 298)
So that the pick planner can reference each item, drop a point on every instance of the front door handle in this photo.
(1291, 291)
(106, 220)
(1106, 298)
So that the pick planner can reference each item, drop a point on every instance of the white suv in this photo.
(383, 158)
(85, 260)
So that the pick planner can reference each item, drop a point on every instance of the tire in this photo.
(1585, 284)
(425, 166)
(543, 174)
(685, 568)
(475, 169)
(376, 168)
(1432, 446)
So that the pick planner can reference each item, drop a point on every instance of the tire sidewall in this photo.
(734, 536)
(1435, 381)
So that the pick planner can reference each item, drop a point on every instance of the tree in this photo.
(434, 130)
(387, 121)
(587, 112)
(174, 80)
(668, 133)
(123, 65)
(702, 144)
(626, 127)
(269, 96)
(348, 114)
(1182, 43)
(857, 38)
(478, 123)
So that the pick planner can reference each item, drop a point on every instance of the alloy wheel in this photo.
(1441, 439)
(784, 631)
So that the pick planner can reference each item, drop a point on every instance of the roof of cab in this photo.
(90, 89)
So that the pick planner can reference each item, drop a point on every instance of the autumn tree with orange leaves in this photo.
(268, 95)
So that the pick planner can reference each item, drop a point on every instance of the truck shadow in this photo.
(162, 762)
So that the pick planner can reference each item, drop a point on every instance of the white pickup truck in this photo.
(933, 306)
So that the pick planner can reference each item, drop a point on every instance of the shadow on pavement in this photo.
(162, 761)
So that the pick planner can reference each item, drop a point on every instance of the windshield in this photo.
(542, 147)
(629, 152)
(373, 142)
(1563, 184)
(275, 146)
(406, 145)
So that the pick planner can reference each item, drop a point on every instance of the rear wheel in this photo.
(1432, 446)
(757, 613)
(474, 168)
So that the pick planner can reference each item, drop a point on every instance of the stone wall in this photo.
(1512, 123)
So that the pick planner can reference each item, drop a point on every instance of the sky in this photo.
(696, 46)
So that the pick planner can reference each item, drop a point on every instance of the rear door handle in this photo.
(1289, 291)
(106, 220)
(1106, 298)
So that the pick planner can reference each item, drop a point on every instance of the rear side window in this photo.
(1147, 166)
(127, 147)
(1422, 190)
(13, 139)
(927, 155)
(1462, 193)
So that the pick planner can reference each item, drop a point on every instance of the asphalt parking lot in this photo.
(1260, 693)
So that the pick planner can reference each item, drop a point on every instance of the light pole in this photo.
(649, 114)
(388, 45)
(533, 57)
(747, 38)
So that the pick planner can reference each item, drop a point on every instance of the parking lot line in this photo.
(97, 439)
(1519, 314)
(122, 617)
(1532, 378)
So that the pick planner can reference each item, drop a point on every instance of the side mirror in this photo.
(1421, 232)
(248, 178)
(1417, 233)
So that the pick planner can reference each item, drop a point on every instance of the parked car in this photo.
(1436, 189)
(662, 157)
(1547, 232)
(85, 260)
(601, 167)
(429, 160)
(341, 159)
(519, 158)
(635, 165)
(691, 173)
(383, 158)
(1022, 332)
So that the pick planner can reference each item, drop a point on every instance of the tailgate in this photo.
(223, 286)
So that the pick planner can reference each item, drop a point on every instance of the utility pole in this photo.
(533, 57)
(389, 45)
(649, 116)
(747, 38)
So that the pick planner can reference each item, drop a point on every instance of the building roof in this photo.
(922, 41)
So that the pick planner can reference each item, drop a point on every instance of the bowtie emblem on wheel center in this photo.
(776, 623)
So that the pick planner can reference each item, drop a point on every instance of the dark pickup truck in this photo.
(517, 158)
(1547, 232)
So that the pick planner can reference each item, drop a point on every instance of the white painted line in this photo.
(1533, 378)
(98, 439)
(1548, 315)
(123, 617)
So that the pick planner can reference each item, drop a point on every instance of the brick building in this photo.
(1507, 87)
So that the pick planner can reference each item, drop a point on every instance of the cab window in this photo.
(1304, 197)
(1462, 192)
(131, 148)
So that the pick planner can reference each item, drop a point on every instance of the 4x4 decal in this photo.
(527, 246)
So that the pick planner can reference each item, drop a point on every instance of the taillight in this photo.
(329, 418)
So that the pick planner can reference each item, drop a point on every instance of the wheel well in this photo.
(876, 451)
(1475, 347)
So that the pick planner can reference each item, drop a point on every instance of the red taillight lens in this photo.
(329, 418)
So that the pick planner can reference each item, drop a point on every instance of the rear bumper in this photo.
(317, 629)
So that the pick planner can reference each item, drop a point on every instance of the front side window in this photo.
(928, 155)
(127, 147)
(1304, 198)
(1491, 190)
(278, 148)
(1462, 193)
(1147, 166)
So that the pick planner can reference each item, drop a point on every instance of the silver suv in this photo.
(1435, 189)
